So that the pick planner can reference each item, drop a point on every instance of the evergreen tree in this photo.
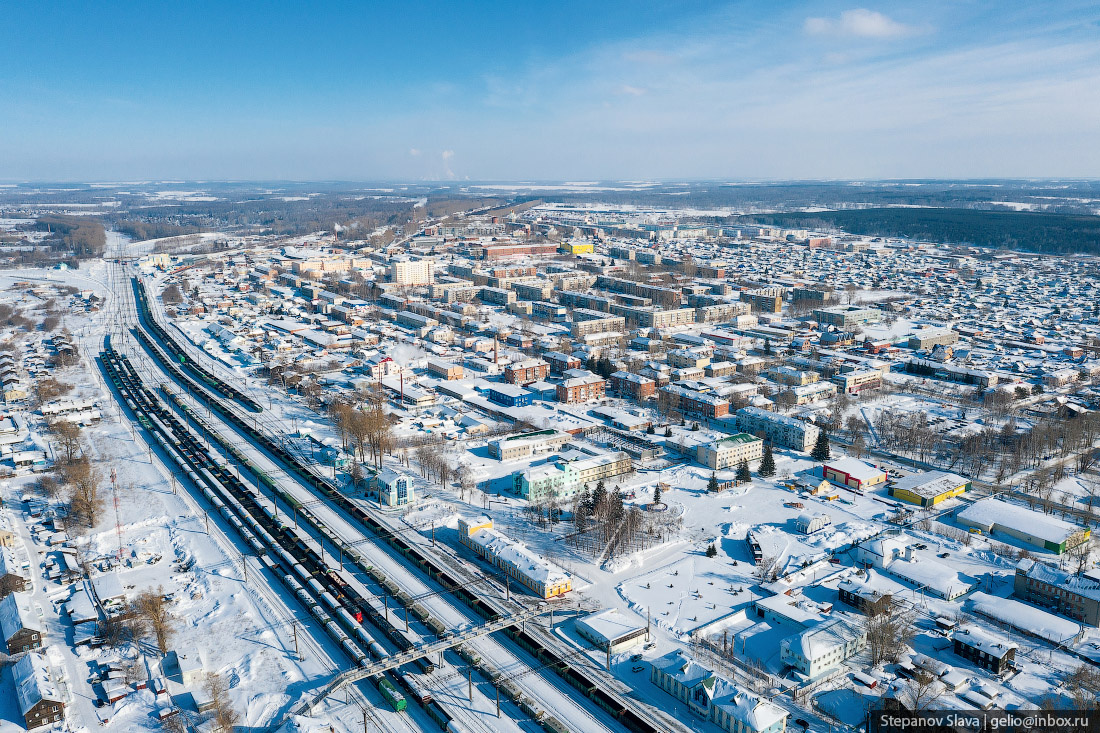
(585, 504)
(767, 347)
(712, 550)
(712, 485)
(616, 510)
(668, 431)
(650, 430)
(820, 453)
(694, 427)
(657, 494)
(767, 462)
(743, 474)
(599, 497)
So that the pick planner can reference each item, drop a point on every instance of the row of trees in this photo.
(365, 428)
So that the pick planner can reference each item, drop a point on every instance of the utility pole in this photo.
(498, 702)
(297, 653)
(244, 564)
(470, 682)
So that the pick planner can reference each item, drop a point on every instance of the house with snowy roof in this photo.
(20, 629)
(713, 698)
(35, 692)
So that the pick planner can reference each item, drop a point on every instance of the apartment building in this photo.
(561, 363)
(411, 272)
(693, 402)
(729, 452)
(589, 321)
(525, 445)
(721, 312)
(632, 386)
(526, 371)
(856, 381)
(764, 300)
(581, 388)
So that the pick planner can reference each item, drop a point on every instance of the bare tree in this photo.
(889, 631)
(153, 608)
(225, 717)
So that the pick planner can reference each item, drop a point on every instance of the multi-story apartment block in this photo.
(581, 387)
(781, 430)
(846, 316)
(411, 272)
(526, 371)
(856, 381)
(764, 300)
(693, 402)
(729, 452)
(721, 312)
(633, 386)
(588, 321)
(561, 363)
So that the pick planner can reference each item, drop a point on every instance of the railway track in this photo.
(215, 399)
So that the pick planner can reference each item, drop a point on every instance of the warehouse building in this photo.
(1035, 528)
(854, 473)
(929, 488)
(540, 576)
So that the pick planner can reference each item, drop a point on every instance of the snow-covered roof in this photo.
(752, 710)
(978, 638)
(610, 625)
(33, 683)
(817, 641)
(930, 484)
(855, 468)
(991, 513)
(15, 615)
(1025, 617)
(530, 564)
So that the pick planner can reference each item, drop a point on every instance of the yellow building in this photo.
(576, 248)
(929, 488)
(539, 575)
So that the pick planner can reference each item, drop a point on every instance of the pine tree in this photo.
(712, 550)
(668, 431)
(743, 474)
(712, 485)
(767, 347)
(650, 430)
(767, 462)
(820, 453)
(657, 494)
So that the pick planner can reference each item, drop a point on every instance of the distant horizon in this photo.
(670, 181)
(487, 91)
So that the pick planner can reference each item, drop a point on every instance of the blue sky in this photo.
(542, 91)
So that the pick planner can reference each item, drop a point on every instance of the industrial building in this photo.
(1035, 528)
(1074, 596)
(853, 473)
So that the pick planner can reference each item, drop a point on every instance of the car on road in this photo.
(636, 658)
(944, 554)
(637, 668)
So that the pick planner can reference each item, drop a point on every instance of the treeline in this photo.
(80, 237)
(154, 229)
(1018, 230)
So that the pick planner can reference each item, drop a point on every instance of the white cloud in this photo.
(414, 152)
(447, 154)
(858, 23)
(631, 90)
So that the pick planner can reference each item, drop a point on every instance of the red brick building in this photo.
(634, 386)
(525, 372)
(581, 389)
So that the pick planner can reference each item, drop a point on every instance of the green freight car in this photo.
(393, 697)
